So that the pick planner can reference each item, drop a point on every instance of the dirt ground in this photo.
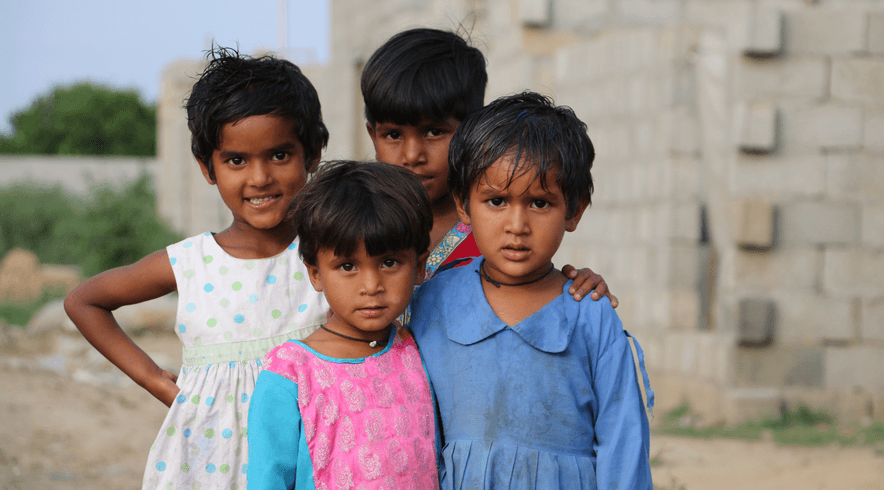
(56, 433)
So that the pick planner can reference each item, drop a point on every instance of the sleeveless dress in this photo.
(231, 312)
(319, 422)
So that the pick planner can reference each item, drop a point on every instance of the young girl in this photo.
(256, 131)
(534, 390)
(350, 405)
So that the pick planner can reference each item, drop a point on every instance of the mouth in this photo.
(259, 201)
(371, 311)
(516, 252)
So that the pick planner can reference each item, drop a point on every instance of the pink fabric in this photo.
(368, 424)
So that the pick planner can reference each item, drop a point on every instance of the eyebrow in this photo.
(282, 147)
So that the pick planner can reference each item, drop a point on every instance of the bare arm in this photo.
(90, 306)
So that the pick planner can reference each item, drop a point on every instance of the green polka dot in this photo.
(237, 286)
(207, 259)
(225, 303)
(209, 433)
(153, 447)
(290, 293)
(224, 468)
(197, 485)
(230, 398)
(211, 322)
(222, 270)
(256, 332)
(250, 264)
(298, 276)
(244, 431)
(185, 467)
(170, 431)
(276, 314)
(195, 399)
(169, 486)
(198, 341)
(189, 273)
(284, 260)
(195, 451)
(228, 336)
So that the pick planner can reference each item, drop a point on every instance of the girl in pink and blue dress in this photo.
(534, 390)
(350, 406)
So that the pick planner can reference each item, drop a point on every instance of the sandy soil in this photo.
(56, 433)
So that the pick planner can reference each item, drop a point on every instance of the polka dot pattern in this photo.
(224, 301)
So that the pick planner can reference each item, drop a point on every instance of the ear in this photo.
(205, 170)
(422, 266)
(571, 224)
(371, 130)
(313, 273)
(462, 212)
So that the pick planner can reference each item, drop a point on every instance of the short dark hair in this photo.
(234, 87)
(423, 74)
(537, 134)
(381, 205)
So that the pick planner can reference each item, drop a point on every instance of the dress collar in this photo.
(548, 329)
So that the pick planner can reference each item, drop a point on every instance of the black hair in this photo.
(234, 87)
(381, 205)
(423, 74)
(538, 135)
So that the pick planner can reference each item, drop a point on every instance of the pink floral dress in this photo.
(327, 423)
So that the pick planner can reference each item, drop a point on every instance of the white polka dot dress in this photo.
(230, 313)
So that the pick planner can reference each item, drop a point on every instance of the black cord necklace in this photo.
(372, 343)
(498, 284)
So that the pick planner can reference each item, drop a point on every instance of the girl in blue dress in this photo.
(535, 390)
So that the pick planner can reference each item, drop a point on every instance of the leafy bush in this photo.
(113, 227)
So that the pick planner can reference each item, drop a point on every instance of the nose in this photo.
(413, 151)
(372, 283)
(260, 174)
(516, 221)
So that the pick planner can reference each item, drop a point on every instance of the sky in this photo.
(127, 44)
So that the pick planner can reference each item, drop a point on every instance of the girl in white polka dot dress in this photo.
(256, 131)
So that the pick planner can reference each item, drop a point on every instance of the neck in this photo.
(244, 242)
(445, 217)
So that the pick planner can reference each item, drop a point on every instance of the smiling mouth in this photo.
(261, 200)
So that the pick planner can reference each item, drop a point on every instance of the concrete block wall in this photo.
(697, 107)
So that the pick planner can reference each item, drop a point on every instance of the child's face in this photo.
(518, 228)
(366, 293)
(259, 168)
(423, 149)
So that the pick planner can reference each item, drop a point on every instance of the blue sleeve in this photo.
(278, 454)
(621, 425)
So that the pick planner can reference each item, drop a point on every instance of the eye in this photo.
(392, 135)
(540, 204)
(387, 264)
(236, 161)
(496, 201)
(435, 132)
(279, 156)
(346, 267)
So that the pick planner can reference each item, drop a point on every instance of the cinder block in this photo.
(855, 177)
(823, 127)
(871, 324)
(534, 13)
(684, 306)
(805, 77)
(873, 130)
(766, 36)
(874, 33)
(871, 225)
(755, 224)
(796, 270)
(756, 320)
(820, 222)
(688, 355)
(742, 404)
(649, 11)
(826, 31)
(857, 80)
(850, 368)
(807, 319)
(790, 177)
(851, 273)
(758, 126)
(780, 366)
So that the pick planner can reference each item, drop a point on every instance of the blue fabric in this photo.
(278, 453)
(552, 402)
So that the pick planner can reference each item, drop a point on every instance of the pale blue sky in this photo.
(126, 44)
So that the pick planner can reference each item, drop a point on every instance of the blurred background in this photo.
(738, 212)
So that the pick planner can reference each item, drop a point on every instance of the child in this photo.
(257, 131)
(417, 88)
(534, 390)
(350, 405)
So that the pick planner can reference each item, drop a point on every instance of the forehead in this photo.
(506, 174)
(262, 130)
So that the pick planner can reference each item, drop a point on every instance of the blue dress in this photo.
(551, 402)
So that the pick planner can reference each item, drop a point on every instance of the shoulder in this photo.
(596, 321)
(286, 359)
(190, 244)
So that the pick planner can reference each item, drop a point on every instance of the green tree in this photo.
(84, 119)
